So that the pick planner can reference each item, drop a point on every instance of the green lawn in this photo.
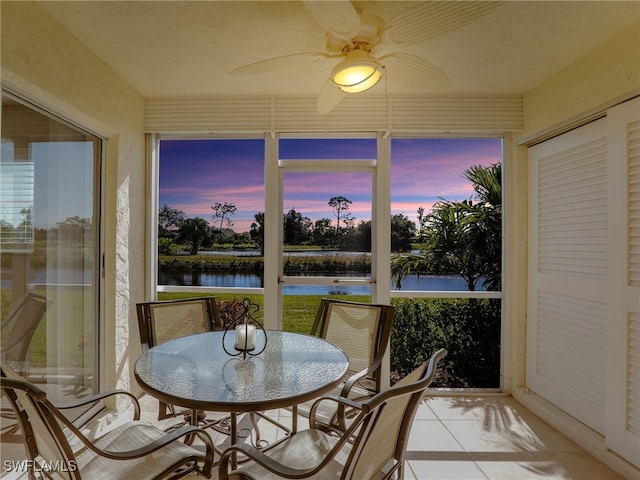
(298, 310)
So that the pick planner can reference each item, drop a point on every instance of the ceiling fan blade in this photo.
(329, 96)
(278, 63)
(337, 17)
(432, 19)
(405, 71)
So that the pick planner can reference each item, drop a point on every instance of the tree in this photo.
(297, 229)
(74, 228)
(462, 238)
(193, 231)
(322, 232)
(7, 231)
(169, 221)
(339, 204)
(222, 210)
(403, 231)
(485, 222)
(257, 231)
(362, 240)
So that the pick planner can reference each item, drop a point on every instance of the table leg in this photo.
(294, 419)
(193, 421)
(234, 439)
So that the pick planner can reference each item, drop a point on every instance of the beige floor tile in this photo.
(517, 436)
(471, 438)
(500, 410)
(424, 412)
(431, 436)
(460, 469)
(515, 466)
(576, 466)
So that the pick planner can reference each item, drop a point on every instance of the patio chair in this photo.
(161, 321)
(134, 449)
(19, 329)
(17, 332)
(373, 446)
(362, 331)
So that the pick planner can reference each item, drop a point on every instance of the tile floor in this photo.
(465, 438)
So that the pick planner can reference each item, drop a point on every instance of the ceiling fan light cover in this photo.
(355, 75)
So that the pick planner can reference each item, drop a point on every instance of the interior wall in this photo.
(607, 74)
(44, 63)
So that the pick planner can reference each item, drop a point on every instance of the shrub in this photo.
(468, 328)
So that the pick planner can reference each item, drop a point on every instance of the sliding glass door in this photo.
(49, 244)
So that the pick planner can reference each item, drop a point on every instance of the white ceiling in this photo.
(169, 48)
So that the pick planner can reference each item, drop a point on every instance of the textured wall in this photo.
(609, 71)
(42, 61)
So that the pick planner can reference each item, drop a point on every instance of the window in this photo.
(211, 218)
(451, 267)
(49, 174)
(331, 228)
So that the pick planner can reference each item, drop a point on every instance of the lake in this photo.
(247, 280)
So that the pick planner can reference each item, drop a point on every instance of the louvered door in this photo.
(567, 320)
(623, 413)
(583, 322)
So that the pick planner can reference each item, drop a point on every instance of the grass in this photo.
(298, 314)
(298, 310)
(72, 343)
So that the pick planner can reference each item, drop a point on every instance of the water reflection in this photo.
(206, 279)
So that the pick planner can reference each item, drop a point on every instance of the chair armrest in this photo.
(169, 437)
(353, 379)
(259, 457)
(101, 396)
(341, 402)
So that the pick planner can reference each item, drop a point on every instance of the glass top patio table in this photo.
(195, 372)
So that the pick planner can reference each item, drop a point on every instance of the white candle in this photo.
(245, 337)
(251, 337)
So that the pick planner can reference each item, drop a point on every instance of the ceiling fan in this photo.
(358, 42)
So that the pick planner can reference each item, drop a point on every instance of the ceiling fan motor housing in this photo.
(369, 33)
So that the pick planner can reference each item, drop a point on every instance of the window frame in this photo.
(381, 231)
(56, 113)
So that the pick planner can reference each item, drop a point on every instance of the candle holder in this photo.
(245, 327)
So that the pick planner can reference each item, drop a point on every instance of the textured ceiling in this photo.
(168, 48)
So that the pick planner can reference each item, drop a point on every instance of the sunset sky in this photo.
(195, 174)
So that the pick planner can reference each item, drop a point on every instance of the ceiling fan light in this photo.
(356, 74)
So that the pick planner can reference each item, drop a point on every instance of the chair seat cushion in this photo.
(303, 450)
(126, 437)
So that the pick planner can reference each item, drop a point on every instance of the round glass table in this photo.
(195, 372)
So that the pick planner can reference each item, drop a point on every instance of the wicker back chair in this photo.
(373, 446)
(362, 331)
(133, 449)
(161, 321)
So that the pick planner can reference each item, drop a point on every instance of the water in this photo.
(294, 253)
(249, 280)
(205, 279)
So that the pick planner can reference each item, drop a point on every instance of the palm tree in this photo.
(257, 231)
(462, 238)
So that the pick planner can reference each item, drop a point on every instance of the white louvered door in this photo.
(567, 320)
(623, 412)
(583, 325)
